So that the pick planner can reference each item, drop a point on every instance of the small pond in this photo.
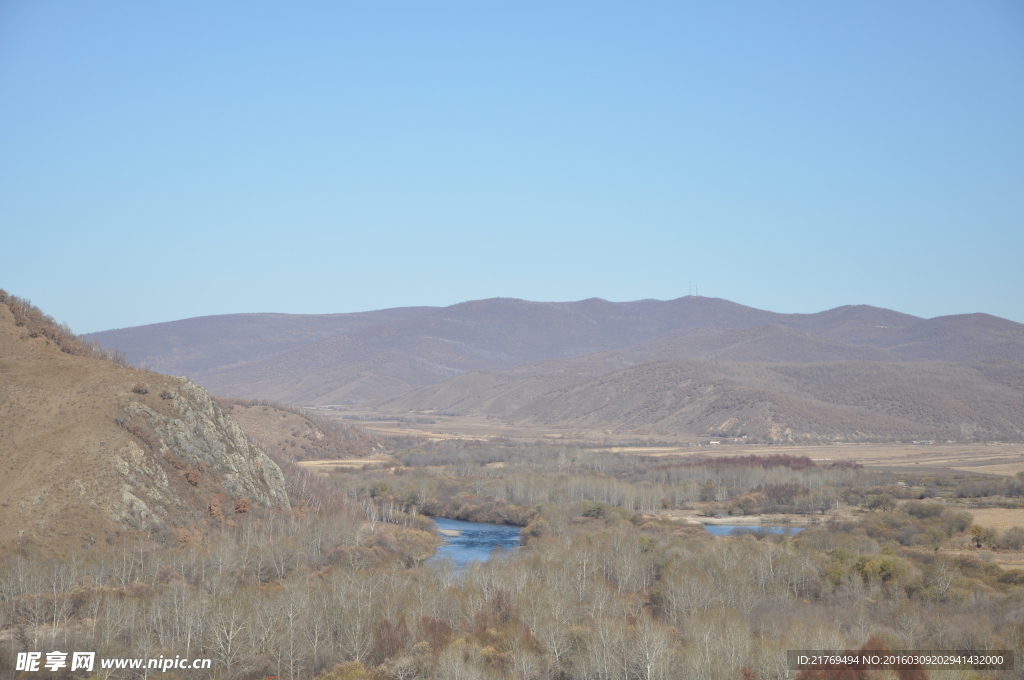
(738, 529)
(474, 540)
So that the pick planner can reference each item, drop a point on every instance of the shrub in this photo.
(982, 536)
(880, 567)
(934, 538)
(923, 510)
(1013, 577)
(38, 324)
(748, 504)
(908, 534)
(140, 388)
(1012, 539)
(137, 430)
(960, 521)
(784, 494)
(880, 501)
(347, 671)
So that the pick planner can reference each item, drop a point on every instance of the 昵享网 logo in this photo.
(55, 661)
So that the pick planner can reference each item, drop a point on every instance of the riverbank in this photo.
(752, 520)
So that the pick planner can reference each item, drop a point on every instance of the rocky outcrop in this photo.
(197, 435)
(188, 459)
(92, 450)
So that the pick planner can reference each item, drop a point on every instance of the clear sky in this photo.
(161, 160)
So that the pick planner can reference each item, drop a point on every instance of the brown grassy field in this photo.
(1004, 460)
(329, 466)
(999, 519)
(1001, 459)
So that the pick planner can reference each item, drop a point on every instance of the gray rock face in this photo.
(197, 443)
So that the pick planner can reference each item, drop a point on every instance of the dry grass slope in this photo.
(92, 451)
(288, 433)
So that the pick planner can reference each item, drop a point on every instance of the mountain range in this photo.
(693, 364)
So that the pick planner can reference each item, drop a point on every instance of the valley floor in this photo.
(1002, 459)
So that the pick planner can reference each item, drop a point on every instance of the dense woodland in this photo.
(603, 589)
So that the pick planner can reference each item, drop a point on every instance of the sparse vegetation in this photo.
(137, 430)
(93, 456)
(295, 434)
(339, 587)
(40, 325)
(853, 374)
(612, 583)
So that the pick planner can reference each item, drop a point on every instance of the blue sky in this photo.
(167, 160)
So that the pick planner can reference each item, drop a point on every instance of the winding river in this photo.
(469, 541)
(734, 529)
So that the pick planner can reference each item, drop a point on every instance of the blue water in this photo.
(476, 541)
(733, 529)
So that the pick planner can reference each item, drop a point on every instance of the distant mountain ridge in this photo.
(203, 344)
(399, 358)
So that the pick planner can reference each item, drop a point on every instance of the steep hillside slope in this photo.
(92, 452)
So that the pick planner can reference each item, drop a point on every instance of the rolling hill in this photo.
(201, 345)
(843, 400)
(499, 356)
